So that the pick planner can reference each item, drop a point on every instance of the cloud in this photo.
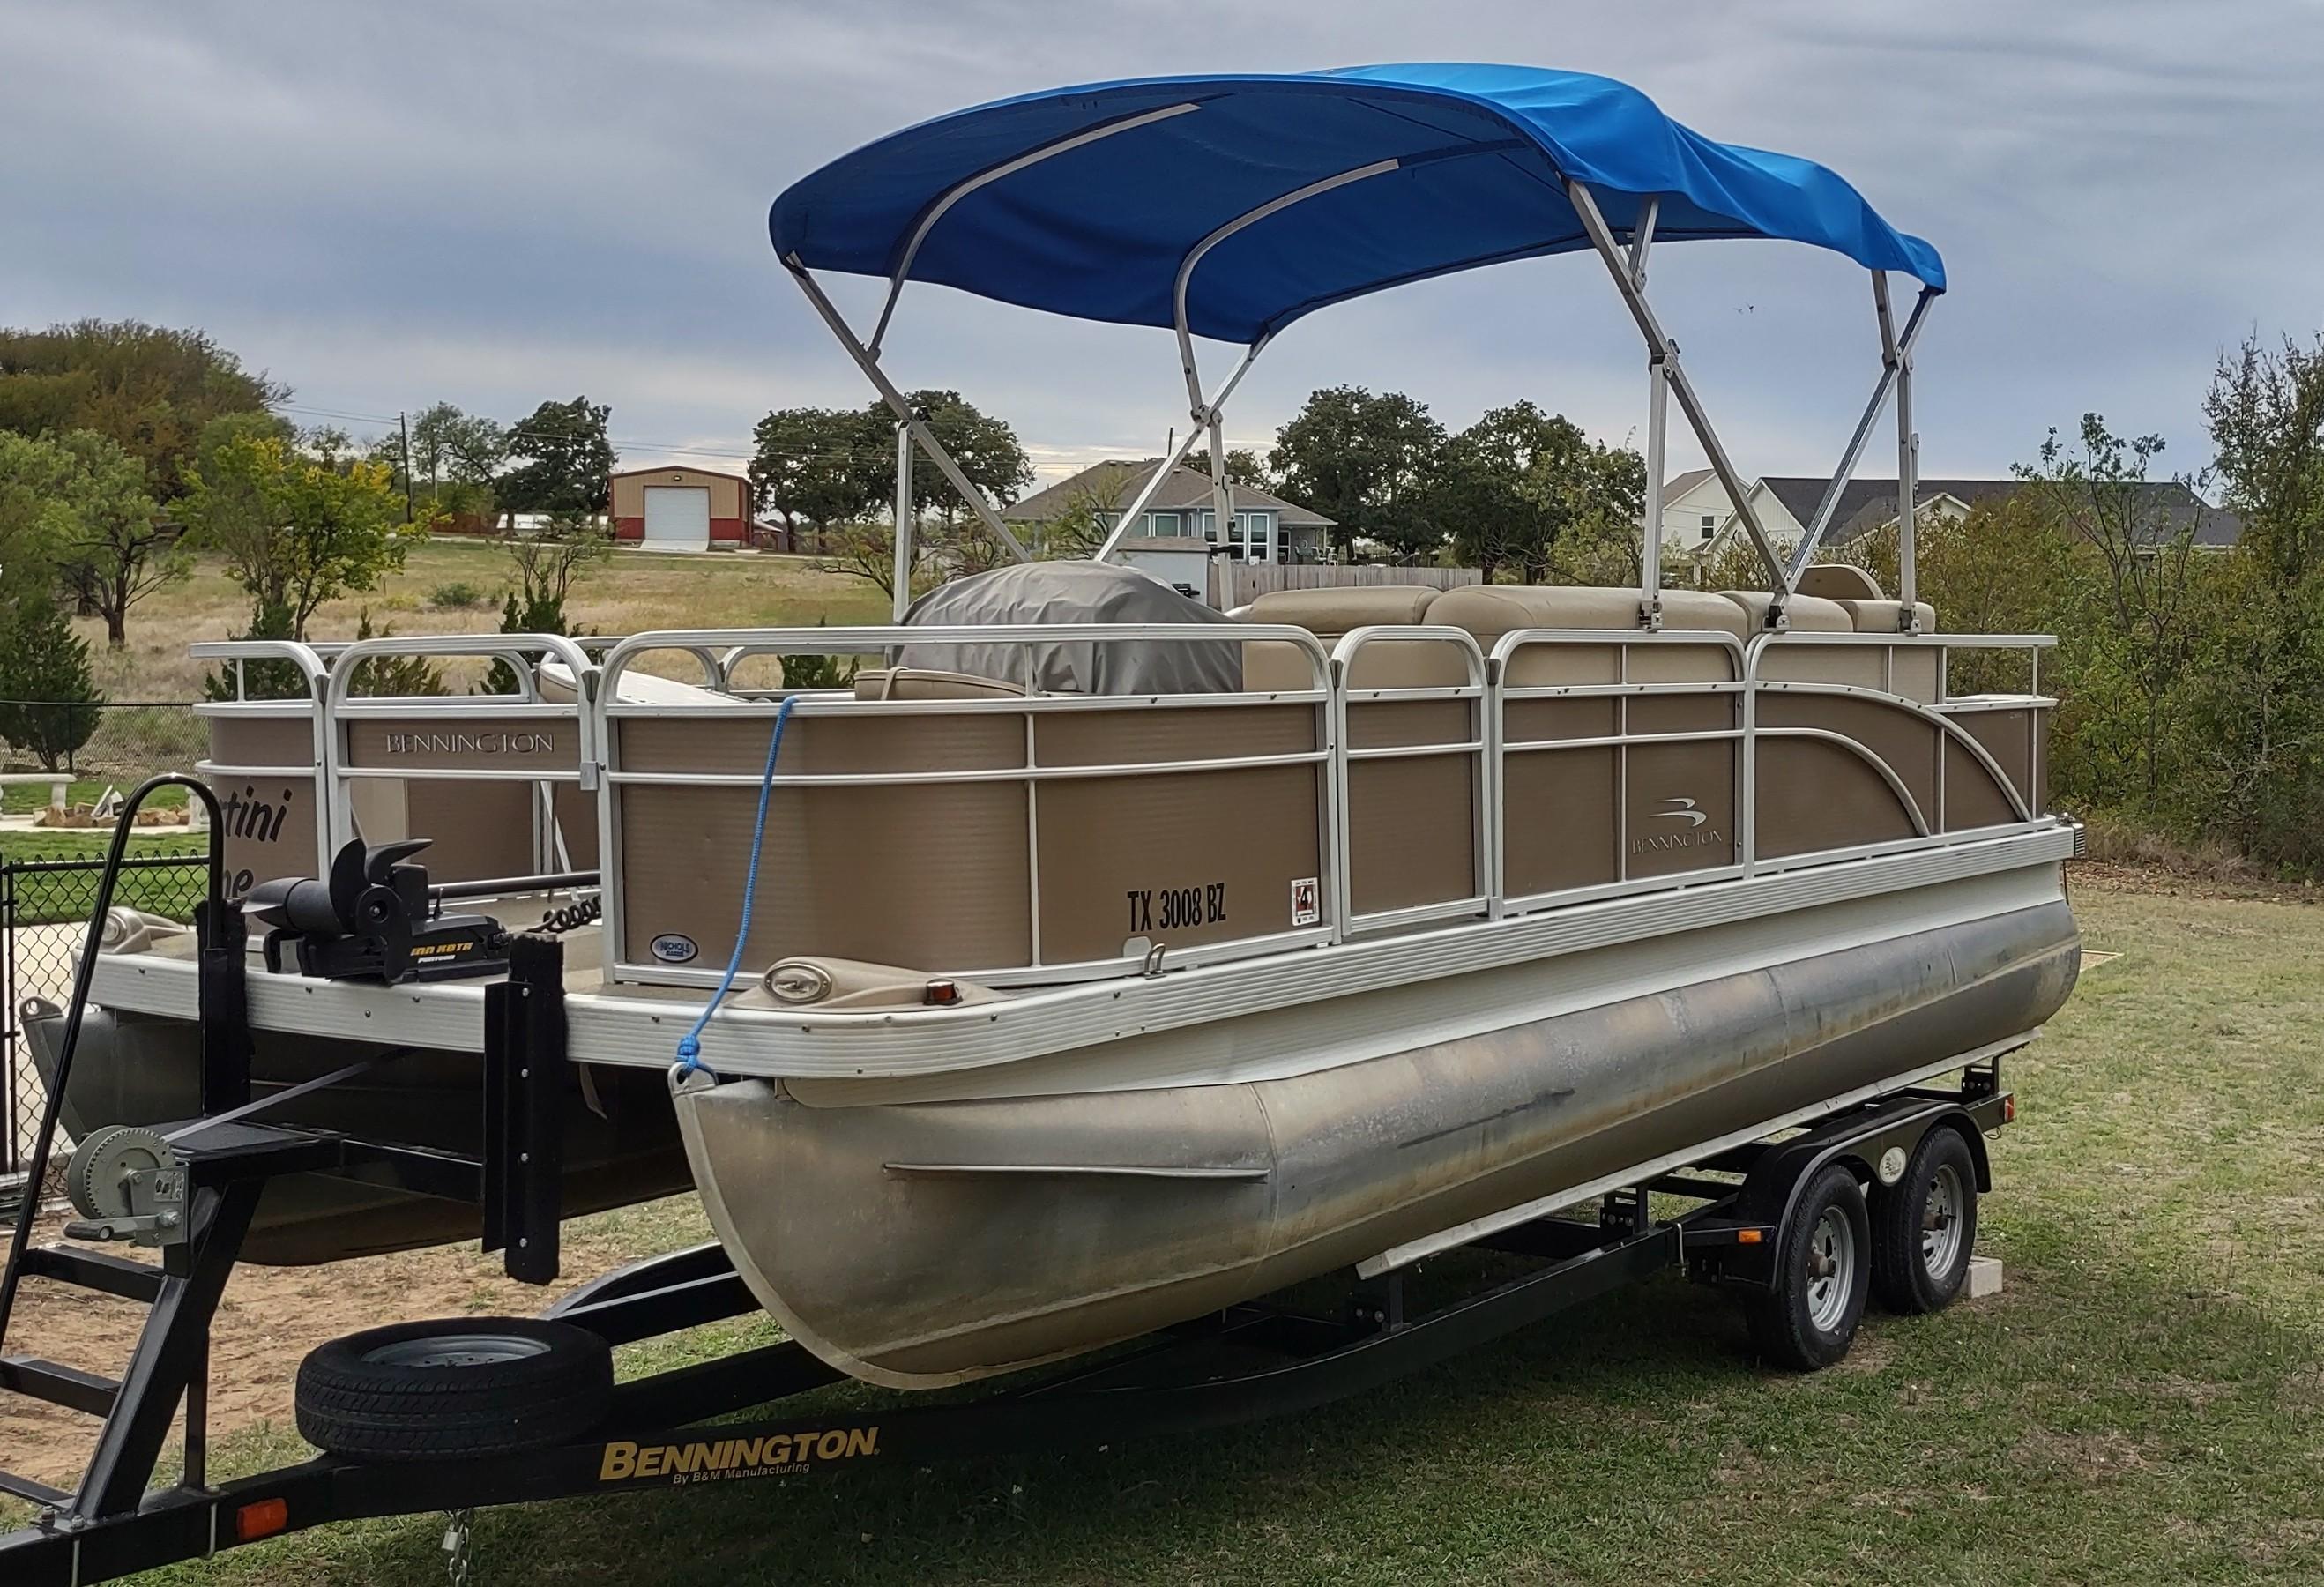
(499, 204)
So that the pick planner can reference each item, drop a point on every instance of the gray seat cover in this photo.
(1075, 592)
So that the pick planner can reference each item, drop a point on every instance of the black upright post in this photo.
(525, 1080)
(223, 997)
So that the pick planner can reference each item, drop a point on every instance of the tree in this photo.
(151, 390)
(2265, 409)
(563, 461)
(817, 467)
(1086, 516)
(1243, 468)
(42, 660)
(450, 446)
(1365, 461)
(1601, 491)
(546, 562)
(298, 529)
(34, 477)
(986, 449)
(2145, 611)
(115, 549)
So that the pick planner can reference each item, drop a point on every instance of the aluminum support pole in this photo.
(955, 194)
(1650, 563)
(1221, 492)
(1650, 523)
(903, 591)
(1908, 475)
(921, 434)
(1178, 455)
(1895, 351)
(1601, 238)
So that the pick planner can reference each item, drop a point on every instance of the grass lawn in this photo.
(2145, 1403)
(627, 592)
(43, 899)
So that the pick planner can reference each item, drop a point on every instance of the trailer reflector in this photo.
(1748, 1236)
(263, 1518)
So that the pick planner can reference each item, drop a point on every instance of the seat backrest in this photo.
(1489, 611)
(1808, 613)
(1330, 614)
(1882, 616)
(1839, 581)
(926, 683)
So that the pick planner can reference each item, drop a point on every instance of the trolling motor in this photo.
(374, 919)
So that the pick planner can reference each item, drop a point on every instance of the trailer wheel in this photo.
(1924, 1227)
(1808, 1319)
(469, 1386)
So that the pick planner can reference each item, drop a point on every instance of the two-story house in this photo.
(1269, 527)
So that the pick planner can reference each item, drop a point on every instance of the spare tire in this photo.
(453, 1386)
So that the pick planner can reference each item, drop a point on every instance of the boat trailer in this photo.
(1782, 1223)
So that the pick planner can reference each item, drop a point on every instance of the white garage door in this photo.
(678, 517)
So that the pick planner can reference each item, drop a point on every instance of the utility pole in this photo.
(404, 428)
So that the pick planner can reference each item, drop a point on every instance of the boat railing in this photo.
(1076, 757)
(520, 737)
(1443, 780)
(1401, 764)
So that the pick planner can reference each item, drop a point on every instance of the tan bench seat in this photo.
(1331, 614)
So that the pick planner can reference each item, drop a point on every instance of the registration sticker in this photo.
(1307, 901)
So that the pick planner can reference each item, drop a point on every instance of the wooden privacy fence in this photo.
(1254, 579)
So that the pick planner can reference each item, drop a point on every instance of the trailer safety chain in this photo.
(457, 1563)
(689, 1045)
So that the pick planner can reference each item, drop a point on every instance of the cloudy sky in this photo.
(494, 204)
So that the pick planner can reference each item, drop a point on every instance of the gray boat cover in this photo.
(1076, 592)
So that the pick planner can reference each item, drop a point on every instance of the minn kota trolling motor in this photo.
(376, 918)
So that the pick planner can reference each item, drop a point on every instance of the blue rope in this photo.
(689, 1045)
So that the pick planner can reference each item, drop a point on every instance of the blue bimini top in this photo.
(1088, 201)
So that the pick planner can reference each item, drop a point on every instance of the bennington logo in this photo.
(470, 744)
(723, 1458)
(1697, 833)
(1684, 810)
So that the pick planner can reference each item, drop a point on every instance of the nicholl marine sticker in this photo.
(672, 948)
(1307, 901)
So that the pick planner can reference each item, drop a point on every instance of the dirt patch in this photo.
(2084, 1457)
(271, 1318)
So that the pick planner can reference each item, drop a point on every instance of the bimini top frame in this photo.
(1228, 207)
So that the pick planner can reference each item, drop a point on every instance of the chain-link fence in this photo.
(44, 910)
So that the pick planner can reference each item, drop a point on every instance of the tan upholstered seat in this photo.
(1807, 613)
(1880, 617)
(924, 683)
(1491, 611)
(1330, 614)
(1839, 581)
(1901, 670)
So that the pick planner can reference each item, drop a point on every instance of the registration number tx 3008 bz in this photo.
(1178, 909)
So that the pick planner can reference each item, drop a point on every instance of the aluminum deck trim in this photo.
(611, 1028)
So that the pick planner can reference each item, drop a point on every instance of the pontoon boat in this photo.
(1105, 959)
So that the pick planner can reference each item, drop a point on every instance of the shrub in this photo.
(458, 595)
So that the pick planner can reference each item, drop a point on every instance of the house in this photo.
(1699, 520)
(1271, 529)
(680, 509)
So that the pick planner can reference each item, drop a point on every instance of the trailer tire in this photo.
(1822, 1273)
(452, 1388)
(1917, 1268)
